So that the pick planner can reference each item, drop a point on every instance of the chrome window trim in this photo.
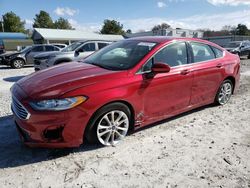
(224, 52)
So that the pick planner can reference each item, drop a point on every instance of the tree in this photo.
(129, 31)
(62, 23)
(242, 30)
(161, 27)
(43, 20)
(112, 27)
(13, 23)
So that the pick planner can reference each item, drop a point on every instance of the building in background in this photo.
(41, 36)
(10, 41)
(168, 32)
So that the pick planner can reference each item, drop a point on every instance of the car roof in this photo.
(164, 39)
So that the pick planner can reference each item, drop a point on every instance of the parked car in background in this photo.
(75, 51)
(124, 86)
(25, 57)
(242, 48)
(61, 46)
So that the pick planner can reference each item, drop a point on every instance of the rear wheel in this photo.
(248, 57)
(17, 63)
(109, 125)
(224, 93)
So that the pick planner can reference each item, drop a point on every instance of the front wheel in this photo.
(109, 125)
(224, 93)
(17, 63)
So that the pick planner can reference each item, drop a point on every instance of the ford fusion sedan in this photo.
(125, 86)
(25, 57)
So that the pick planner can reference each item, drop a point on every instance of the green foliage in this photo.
(242, 30)
(129, 31)
(13, 23)
(112, 27)
(43, 20)
(62, 23)
(161, 26)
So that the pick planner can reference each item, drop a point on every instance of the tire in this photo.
(248, 57)
(17, 64)
(224, 93)
(104, 130)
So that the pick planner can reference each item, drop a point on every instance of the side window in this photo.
(50, 48)
(218, 52)
(37, 49)
(148, 66)
(89, 47)
(202, 52)
(173, 55)
(101, 45)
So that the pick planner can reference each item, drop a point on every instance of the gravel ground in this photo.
(207, 147)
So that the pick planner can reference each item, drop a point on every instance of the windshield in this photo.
(233, 44)
(72, 47)
(26, 49)
(121, 55)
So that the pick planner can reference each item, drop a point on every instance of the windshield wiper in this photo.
(98, 65)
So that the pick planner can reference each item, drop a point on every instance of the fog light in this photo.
(53, 133)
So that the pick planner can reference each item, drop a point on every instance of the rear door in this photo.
(207, 67)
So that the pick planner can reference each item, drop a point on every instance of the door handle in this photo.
(185, 72)
(219, 65)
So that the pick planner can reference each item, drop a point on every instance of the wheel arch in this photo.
(129, 105)
(232, 79)
(20, 58)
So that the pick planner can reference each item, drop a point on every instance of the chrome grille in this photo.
(19, 110)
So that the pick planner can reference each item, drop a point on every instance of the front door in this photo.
(86, 50)
(166, 94)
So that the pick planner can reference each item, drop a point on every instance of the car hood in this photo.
(58, 80)
(10, 54)
(54, 53)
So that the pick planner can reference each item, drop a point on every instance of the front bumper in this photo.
(4, 61)
(59, 129)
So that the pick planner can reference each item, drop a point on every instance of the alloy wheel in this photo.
(112, 127)
(225, 93)
(18, 63)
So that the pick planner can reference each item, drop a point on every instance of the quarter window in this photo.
(202, 52)
(218, 52)
(173, 55)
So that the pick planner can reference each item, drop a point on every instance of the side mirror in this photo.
(160, 68)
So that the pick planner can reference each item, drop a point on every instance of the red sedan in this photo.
(127, 85)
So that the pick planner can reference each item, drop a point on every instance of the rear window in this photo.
(202, 52)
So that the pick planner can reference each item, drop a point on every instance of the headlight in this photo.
(58, 104)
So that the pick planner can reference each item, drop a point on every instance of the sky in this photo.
(136, 15)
